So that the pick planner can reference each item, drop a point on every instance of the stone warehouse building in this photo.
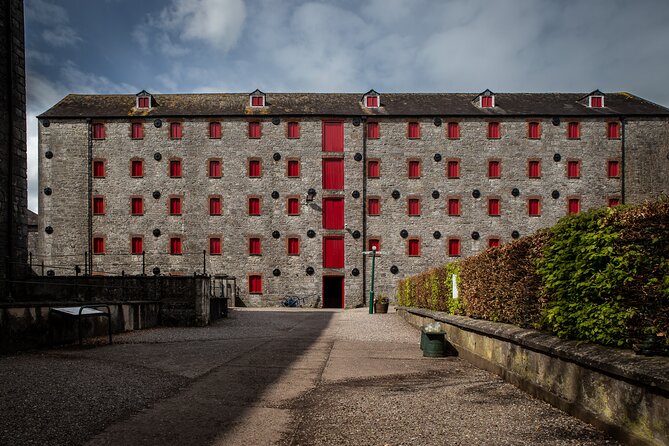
(286, 191)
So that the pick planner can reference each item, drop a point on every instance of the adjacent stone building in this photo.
(286, 191)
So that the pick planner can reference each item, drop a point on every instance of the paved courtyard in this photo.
(261, 377)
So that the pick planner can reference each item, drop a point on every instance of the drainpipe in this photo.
(9, 273)
(622, 162)
(363, 121)
(90, 195)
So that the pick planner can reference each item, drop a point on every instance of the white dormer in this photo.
(144, 100)
(486, 99)
(596, 99)
(371, 99)
(257, 99)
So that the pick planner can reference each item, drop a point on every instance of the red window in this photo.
(373, 130)
(254, 168)
(373, 206)
(293, 206)
(493, 242)
(333, 136)
(573, 169)
(175, 168)
(486, 101)
(494, 207)
(137, 206)
(333, 174)
(293, 130)
(175, 246)
(98, 205)
(215, 246)
(137, 168)
(254, 206)
(374, 243)
(372, 101)
(454, 247)
(333, 213)
(143, 102)
(373, 169)
(493, 130)
(613, 169)
(214, 168)
(254, 246)
(214, 205)
(136, 245)
(614, 202)
(257, 101)
(137, 130)
(573, 130)
(613, 130)
(596, 101)
(98, 130)
(534, 206)
(175, 130)
(293, 169)
(175, 206)
(453, 206)
(574, 206)
(413, 130)
(98, 245)
(255, 284)
(98, 169)
(254, 130)
(414, 169)
(453, 170)
(293, 246)
(533, 130)
(215, 130)
(534, 169)
(414, 207)
(494, 169)
(453, 130)
(414, 247)
(333, 252)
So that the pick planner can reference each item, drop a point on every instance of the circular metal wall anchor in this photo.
(48, 154)
(395, 194)
(476, 193)
(437, 157)
(46, 122)
(515, 234)
(276, 120)
(311, 233)
(48, 230)
(276, 272)
(47, 191)
(355, 272)
(310, 271)
(555, 194)
(556, 120)
(436, 235)
(435, 194)
(557, 157)
(356, 234)
(276, 156)
(437, 122)
(156, 194)
(51, 273)
(404, 233)
(515, 192)
(276, 234)
(476, 235)
(157, 156)
(356, 121)
(158, 123)
(156, 271)
(156, 232)
(357, 157)
(311, 192)
(394, 269)
(275, 195)
(355, 194)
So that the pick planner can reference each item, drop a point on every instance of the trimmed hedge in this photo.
(432, 289)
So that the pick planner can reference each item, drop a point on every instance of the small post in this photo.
(77, 270)
(86, 263)
(371, 291)
(42, 267)
(143, 263)
(204, 262)
(30, 257)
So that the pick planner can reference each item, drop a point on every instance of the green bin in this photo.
(432, 343)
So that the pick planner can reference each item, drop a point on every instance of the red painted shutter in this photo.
(493, 206)
(136, 245)
(293, 168)
(175, 206)
(573, 170)
(486, 101)
(453, 130)
(175, 246)
(493, 169)
(143, 102)
(453, 169)
(98, 131)
(614, 202)
(254, 168)
(373, 242)
(254, 246)
(333, 136)
(137, 130)
(98, 205)
(414, 207)
(493, 243)
(255, 284)
(613, 170)
(293, 206)
(333, 252)
(214, 168)
(254, 130)
(293, 246)
(175, 168)
(413, 130)
(215, 130)
(534, 206)
(137, 206)
(414, 169)
(137, 168)
(214, 246)
(257, 101)
(574, 206)
(373, 169)
(214, 206)
(454, 247)
(254, 206)
(534, 169)
(573, 130)
(373, 130)
(333, 174)
(175, 130)
(373, 206)
(414, 247)
(98, 245)
(534, 130)
(453, 206)
(293, 130)
(372, 101)
(333, 213)
(98, 169)
(493, 130)
(595, 101)
(614, 130)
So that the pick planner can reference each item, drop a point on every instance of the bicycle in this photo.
(295, 301)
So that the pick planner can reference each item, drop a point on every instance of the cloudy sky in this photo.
(181, 46)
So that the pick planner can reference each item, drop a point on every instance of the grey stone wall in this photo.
(66, 209)
(13, 188)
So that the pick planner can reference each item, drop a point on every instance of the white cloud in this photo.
(55, 19)
(61, 36)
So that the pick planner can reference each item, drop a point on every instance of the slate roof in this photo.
(348, 104)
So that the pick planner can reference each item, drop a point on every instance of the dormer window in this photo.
(144, 100)
(487, 99)
(371, 99)
(257, 99)
(596, 101)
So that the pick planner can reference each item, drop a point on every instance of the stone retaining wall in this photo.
(617, 391)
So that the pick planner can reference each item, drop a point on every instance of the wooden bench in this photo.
(80, 313)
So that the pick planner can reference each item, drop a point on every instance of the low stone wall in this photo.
(617, 391)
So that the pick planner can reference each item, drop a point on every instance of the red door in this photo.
(333, 213)
(333, 174)
(333, 136)
(333, 252)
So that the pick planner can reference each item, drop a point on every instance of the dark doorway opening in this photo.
(333, 292)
